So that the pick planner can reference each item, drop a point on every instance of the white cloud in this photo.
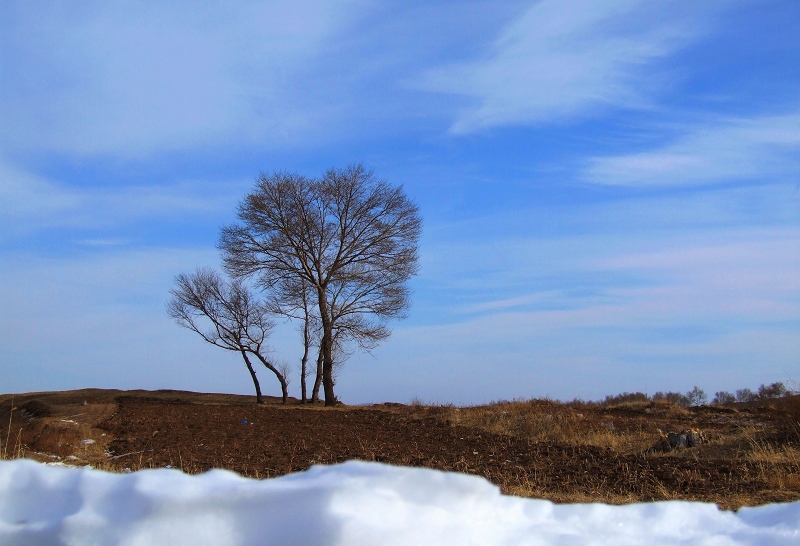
(32, 202)
(101, 243)
(26, 195)
(753, 277)
(561, 58)
(105, 78)
(547, 256)
(738, 276)
(762, 148)
(742, 274)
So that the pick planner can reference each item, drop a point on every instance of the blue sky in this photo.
(610, 190)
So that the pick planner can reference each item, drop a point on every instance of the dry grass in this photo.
(46, 433)
(574, 424)
(7, 449)
(764, 439)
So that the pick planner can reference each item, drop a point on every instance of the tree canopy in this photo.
(348, 240)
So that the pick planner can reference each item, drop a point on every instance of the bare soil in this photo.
(563, 452)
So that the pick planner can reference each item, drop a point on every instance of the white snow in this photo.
(350, 504)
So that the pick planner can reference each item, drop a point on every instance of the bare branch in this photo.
(347, 242)
(224, 314)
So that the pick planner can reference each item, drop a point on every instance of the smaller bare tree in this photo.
(238, 322)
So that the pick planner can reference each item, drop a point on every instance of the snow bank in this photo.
(352, 503)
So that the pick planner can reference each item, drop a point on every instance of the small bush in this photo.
(723, 398)
(696, 396)
(745, 395)
(626, 397)
(673, 398)
(772, 391)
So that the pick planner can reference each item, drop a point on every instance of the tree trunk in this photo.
(284, 391)
(317, 378)
(327, 372)
(303, 378)
(259, 399)
(278, 374)
(327, 348)
(304, 360)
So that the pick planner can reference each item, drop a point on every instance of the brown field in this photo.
(573, 452)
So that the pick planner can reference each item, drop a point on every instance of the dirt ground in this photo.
(581, 454)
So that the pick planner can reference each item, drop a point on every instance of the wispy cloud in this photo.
(750, 276)
(719, 301)
(103, 78)
(545, 257)
(26, 195)
(32, 202)
(737, 275)
(754, 149)
(560, 59)
(102, 243)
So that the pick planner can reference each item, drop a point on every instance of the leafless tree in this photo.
(350, 236)
(293, 298)
(234, 319)
(308, 337)
(339, 353)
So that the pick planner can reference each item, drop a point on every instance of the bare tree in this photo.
(350, 236)
(293, 298)
(308, 337)
(235, 321)
(339, 354)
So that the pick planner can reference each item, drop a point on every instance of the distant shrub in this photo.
(745, 395)
(772, 391)
(723, 398)
(673, 398)
(696, 396)
(626, 397)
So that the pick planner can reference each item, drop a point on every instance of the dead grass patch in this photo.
(573, 424)
(54, 433)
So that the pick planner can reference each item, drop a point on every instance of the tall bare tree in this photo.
(296, 301)
(234, 319)
(339, 354)
(293, 298)
(308, 338)
(351, 236)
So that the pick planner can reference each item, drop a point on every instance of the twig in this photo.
(126, 454)
(8, 434)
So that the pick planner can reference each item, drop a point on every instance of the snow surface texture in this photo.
(352, 503)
